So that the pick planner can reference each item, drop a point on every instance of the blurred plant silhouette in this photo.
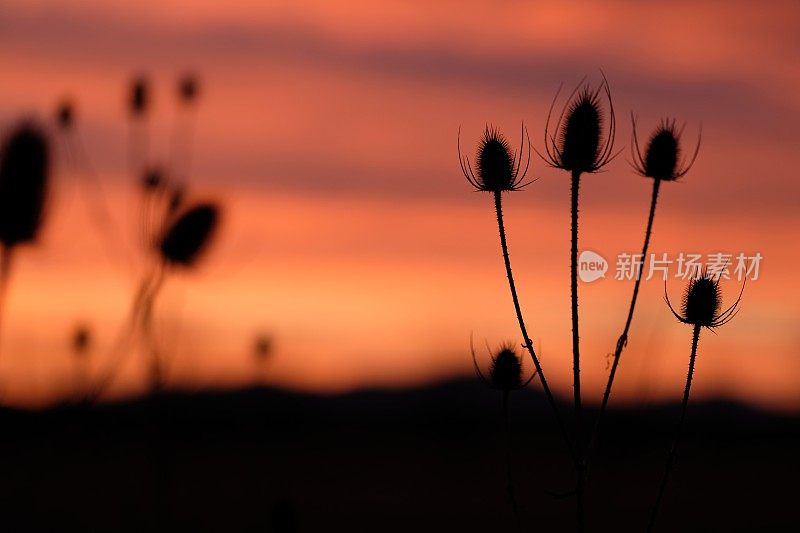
(172, 234)
(77, 160)
(262, 352)
(24, 182)
(81, 345)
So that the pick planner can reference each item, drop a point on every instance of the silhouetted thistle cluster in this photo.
(581, 141)
(174, 231)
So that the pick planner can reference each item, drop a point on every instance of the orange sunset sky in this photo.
(328, 133)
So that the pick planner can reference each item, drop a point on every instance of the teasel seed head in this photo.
(702, 301)
(498, 167)
(189, 235)
(581, 146)
(505, 370)
(24, 177)
(662, 158)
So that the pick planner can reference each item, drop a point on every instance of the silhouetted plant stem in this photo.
(576, 357)
(498, 205)
(157, 378)
(673, 451)
(126, 337)
(509, 480)
(623, 339)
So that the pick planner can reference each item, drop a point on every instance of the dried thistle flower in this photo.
(498, 167)
(190, 234)
(24, 176)
(505, 370)
(662, 158)
(702, 301)
(581, 145)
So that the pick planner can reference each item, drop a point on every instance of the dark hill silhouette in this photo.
(422, 459)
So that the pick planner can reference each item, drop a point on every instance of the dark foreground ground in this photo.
(429, 459)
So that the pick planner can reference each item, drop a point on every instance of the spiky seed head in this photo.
(188, 87)
(139, 97)
(495, 162)
(65, 115)
(579, 144)
(191, 233)
(580, 134)
(505, 372)
(24, 176)
(662, 159)
(701, 301)
(663, 153)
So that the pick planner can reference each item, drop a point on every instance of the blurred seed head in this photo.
(153, 179)
(505, 370)
(498, 167)
(582, 146)
(262, 347)
(24, 176)
(81, 340)
(188, 88)
(702, 301)
(139, 96)
(65, 115)
(662, 158)
(189, 235)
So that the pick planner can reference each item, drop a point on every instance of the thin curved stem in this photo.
(673, 451)
(527, 341)
(623, 339)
